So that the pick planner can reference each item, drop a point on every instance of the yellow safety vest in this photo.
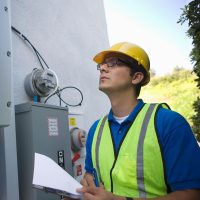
(136, 170)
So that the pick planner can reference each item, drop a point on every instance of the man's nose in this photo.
(104, 67)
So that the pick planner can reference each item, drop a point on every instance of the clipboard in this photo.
(49, 177)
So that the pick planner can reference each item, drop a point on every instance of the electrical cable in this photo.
(35, 50)
(58, 91)
(72, 87)
(51, 95)
(26, 39)
(59, 96)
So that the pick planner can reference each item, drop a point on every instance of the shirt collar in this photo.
(131, 115)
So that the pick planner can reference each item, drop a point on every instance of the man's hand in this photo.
(91, 192)
(88, 180)
(95, 193)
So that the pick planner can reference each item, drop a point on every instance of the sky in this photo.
(151, 24)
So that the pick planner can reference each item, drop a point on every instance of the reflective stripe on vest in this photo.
(136, 169)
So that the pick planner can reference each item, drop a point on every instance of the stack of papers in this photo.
(50, 177)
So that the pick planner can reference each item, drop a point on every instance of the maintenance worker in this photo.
(139, 150)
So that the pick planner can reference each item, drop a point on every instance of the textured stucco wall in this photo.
(67, 33)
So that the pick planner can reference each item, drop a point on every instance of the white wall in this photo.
(68, 34)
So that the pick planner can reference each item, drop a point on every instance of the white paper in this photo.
(48, 175)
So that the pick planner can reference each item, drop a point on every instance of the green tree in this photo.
(177, 89)
(191, 14)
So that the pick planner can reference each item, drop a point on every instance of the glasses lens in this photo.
(109, 63)
(112, 63)
(98, 66)
(123, 62)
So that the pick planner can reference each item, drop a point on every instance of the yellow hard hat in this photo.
(131, 50)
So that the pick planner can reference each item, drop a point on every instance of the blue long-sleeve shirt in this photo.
(181, 153)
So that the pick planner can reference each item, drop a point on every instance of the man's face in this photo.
(114, 75)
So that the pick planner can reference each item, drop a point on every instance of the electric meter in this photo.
(41, 82)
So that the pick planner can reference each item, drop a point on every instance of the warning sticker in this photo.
(53, 126)
(72, 121)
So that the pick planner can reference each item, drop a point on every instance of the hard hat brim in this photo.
(99, 58)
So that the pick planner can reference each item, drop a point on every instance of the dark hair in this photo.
(135, 67)
(139, 85)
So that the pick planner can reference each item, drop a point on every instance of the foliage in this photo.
(177, 89)
(191, 14)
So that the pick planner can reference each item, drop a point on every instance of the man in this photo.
(138, 151)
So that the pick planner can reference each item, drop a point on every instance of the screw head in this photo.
(8, 53)
(8, 103)
(6, 8)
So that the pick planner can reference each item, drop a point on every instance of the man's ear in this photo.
(137, 78)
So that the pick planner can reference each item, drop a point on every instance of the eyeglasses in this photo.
(113, 63)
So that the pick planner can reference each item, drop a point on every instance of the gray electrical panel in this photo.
(43, 129)
(5, 64)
